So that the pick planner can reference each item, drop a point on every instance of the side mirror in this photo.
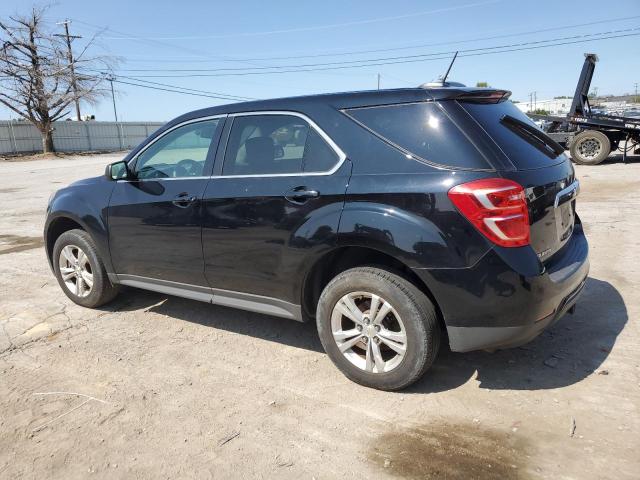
(117, 170)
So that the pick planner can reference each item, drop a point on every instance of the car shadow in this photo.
(566, 353)
(569, 351)
(618, 158)
(264, 327)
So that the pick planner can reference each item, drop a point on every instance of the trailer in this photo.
(591, 136)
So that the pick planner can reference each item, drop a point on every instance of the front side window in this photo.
(180, 153)
(276, 144)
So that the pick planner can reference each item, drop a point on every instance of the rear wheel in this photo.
(590, 147)
(377, 328)
(79, 270)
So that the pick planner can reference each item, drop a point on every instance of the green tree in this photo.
(482, 84)
(540, 111)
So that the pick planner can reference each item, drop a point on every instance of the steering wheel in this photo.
(192, 167)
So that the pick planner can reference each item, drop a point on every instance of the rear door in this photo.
(539, 165)
(155, 218)
(276, 199)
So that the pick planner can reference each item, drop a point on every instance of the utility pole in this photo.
(111, 78)
(533, 100)
(636, 95)
(74, 85)
(379, 84)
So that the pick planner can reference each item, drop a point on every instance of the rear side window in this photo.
(512, 131)
(276, 144)
(422, 130)
(318, 156)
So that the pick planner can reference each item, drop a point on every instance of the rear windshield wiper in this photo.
(533, 136)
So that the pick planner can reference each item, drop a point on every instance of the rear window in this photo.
(422, 130)
(526, 151)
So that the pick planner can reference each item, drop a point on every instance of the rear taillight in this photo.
(497, 207)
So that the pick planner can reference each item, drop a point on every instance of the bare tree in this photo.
(37, 81)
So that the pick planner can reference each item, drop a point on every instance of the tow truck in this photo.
(591, 136)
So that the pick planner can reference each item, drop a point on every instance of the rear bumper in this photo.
(465, 339)
(501, 302)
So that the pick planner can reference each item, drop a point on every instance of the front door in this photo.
(155, 220)
(279, 196)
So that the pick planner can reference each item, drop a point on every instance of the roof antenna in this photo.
(444, 79)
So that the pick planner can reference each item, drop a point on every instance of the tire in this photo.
(590, 147)
(417, 321)
(75, 242)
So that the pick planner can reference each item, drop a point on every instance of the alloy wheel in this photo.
(369, 332)
(75, 270)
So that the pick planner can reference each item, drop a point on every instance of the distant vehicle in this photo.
(386, 217)
(592, 134)
(634, 112)
(542, 124)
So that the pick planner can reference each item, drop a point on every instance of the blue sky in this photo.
(213, 35)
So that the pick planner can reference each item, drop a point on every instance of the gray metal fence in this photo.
(21, 136)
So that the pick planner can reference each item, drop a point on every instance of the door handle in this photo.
(183, 200)
(301, 194)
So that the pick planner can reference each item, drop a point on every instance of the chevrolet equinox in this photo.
(390, 218)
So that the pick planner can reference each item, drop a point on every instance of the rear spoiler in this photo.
(483, 96)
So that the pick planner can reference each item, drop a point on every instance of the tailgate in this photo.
(551, 193)
(540, 166)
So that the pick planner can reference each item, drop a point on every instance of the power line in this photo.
(145, 84)
(208, 92)
(410, 47)
(165, 44)
(156, 42)
(169, 90)
(147, 59)
(477, 39)
(390, 60)
(113, 77)
(316, 27)
(218, 94)
(353, 62)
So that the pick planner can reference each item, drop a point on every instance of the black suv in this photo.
(390, 217)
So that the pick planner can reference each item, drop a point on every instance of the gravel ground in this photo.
(161, 387)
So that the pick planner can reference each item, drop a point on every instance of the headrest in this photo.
(260, 151)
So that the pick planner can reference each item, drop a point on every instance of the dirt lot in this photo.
(168, 388)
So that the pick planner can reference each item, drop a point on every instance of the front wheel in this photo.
(378, 328)
(590, 147)
(80, 271)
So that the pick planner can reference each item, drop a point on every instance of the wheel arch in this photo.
(55, 227)
(350, 256)
(63, 221)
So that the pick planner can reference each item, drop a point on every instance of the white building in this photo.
(555, 106)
